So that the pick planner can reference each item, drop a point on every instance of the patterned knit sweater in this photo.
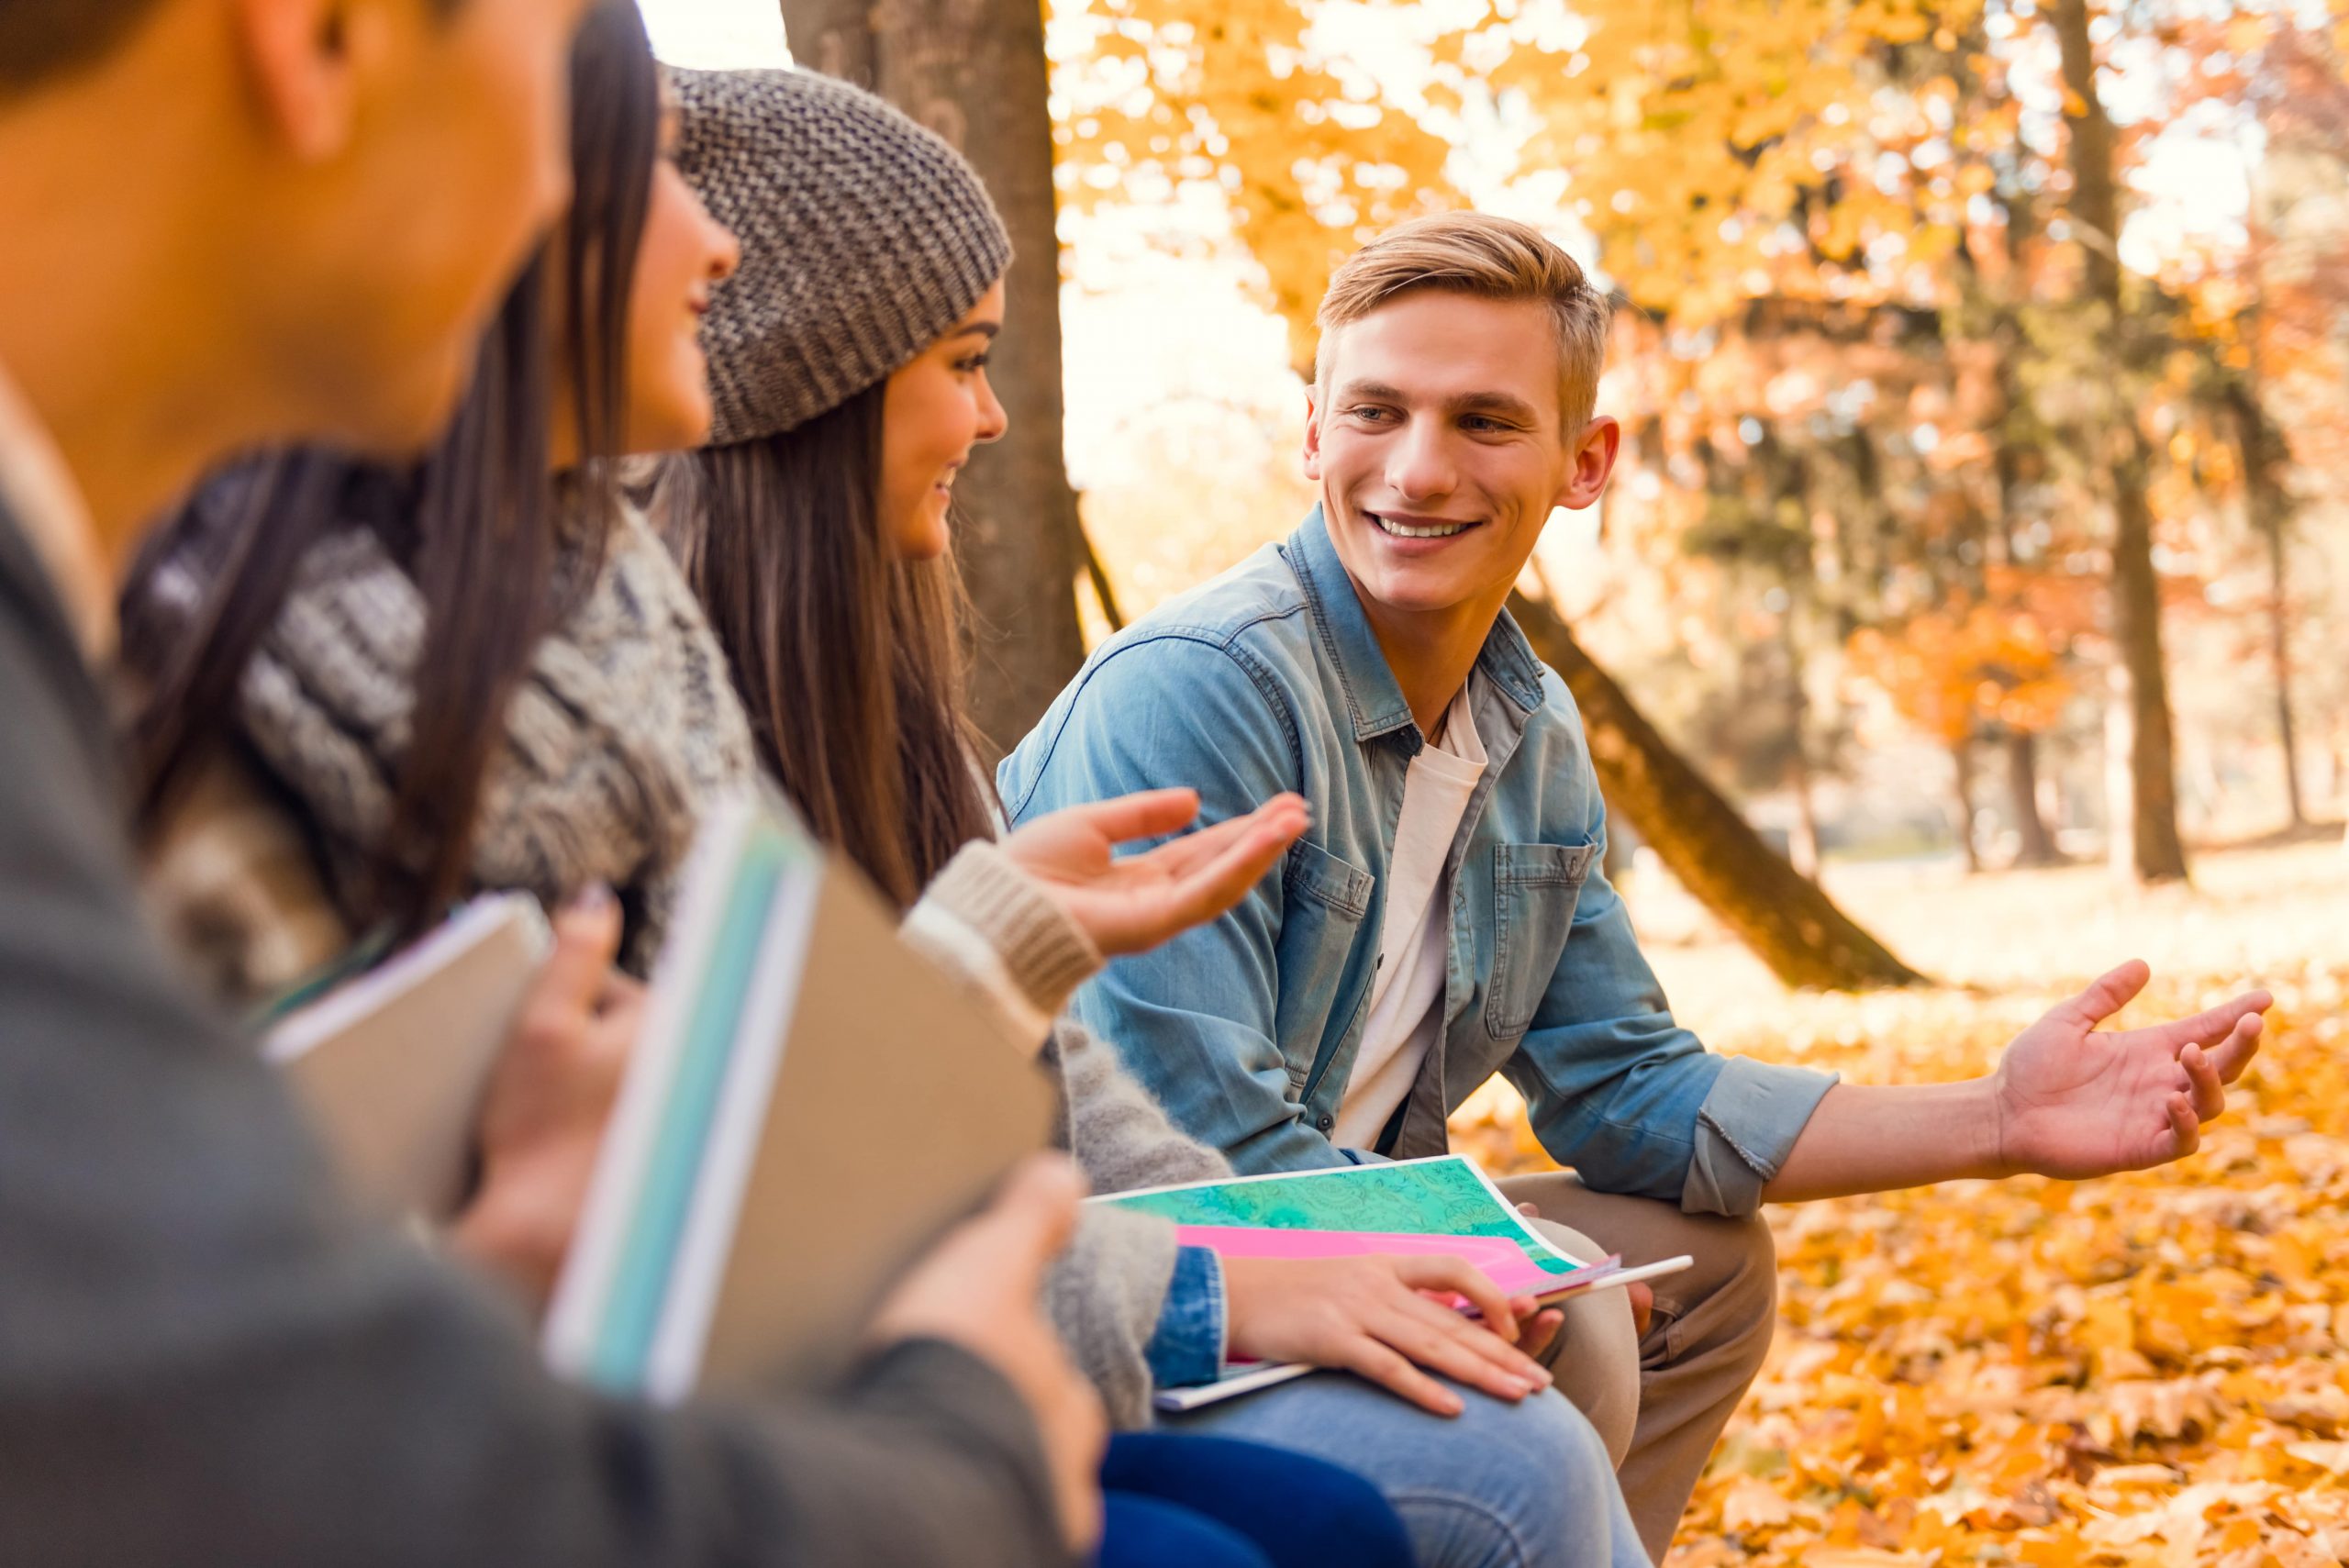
(626, 727)
(622, 729)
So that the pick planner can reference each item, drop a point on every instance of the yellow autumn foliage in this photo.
(1719, 151)
(2146, 1369)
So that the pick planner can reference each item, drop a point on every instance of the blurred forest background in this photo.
(1976, 358)
(1968, 612)
(1982, 365)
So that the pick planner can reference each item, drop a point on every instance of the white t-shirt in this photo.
(1406, 996)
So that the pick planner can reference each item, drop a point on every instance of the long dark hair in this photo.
(497, 556)
(849, 660)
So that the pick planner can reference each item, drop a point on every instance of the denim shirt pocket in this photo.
(1327, 900)
(1535, 889)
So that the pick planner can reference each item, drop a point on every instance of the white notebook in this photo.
(392, 1065)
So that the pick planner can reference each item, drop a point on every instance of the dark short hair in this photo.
(42, 39)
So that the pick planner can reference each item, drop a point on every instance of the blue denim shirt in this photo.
(1267, 679)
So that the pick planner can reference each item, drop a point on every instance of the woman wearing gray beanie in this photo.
(848, 363)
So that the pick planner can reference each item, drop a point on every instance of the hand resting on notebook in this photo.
(543, 1122)
(1379, 1316)
(543, 1118)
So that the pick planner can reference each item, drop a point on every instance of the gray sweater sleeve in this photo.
(205, 1358)
(1105, 1295)
(986, 920)
(1107, 1290)
(1120, 1135)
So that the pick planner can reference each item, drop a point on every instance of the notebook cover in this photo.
(897, 1107)
(392, 1066)
(811, 1105)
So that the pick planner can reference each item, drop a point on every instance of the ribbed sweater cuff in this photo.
(1045, 954)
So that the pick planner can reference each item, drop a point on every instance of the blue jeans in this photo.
(1142, 1532)
(1500, 1485)
(1205, 1502)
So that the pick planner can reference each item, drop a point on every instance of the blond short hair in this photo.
(1484, 257)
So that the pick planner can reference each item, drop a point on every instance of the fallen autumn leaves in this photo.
(2144, 1369)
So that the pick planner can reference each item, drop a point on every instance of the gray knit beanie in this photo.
(864, 239)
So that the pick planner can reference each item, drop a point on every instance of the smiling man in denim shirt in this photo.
(1446, 918)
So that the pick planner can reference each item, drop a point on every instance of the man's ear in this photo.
(306, 58)
(1593, 460)
(1313, 434)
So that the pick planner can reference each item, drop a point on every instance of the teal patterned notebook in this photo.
(1443, 1196)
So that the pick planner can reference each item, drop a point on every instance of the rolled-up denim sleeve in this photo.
(1188, 1347)
(1745, 1130)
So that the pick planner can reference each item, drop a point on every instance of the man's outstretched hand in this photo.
(1131, 905)
(2076, 1102)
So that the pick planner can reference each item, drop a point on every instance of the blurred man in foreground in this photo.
(228, 222)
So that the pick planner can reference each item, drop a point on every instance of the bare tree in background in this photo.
(975, 73)
(2154, 852)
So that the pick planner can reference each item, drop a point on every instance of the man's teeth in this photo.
(1405, 530)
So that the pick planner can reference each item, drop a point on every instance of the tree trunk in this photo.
(2280, 650)
(2120, 780)
(2036, 844)
(2156, 853)
(1802, 842)
(1961, 796)
(2271, 514)
(976, 75)
(1789, 923)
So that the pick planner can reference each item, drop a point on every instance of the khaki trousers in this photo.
(1658, 1400)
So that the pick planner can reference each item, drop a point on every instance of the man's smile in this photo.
(1409, 525)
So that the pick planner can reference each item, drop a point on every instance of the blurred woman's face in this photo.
(934, 412)
(684, 254)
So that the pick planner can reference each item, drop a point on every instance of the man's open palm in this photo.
(2076, 1102)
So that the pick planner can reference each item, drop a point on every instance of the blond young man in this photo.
(1446, 918)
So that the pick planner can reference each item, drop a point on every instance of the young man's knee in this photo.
(1749, 1256)
(1730, 1295)
(1595, 1355)
(1755, 1286)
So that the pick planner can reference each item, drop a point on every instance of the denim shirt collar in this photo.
(1373, 700)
